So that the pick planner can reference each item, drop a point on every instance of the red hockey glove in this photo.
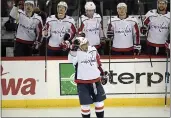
(65, 45)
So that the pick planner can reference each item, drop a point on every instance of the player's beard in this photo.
(161, 8)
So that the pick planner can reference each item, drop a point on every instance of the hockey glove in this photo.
(137, 49)
(66, 37)
(103, 40)
(65, 45)
(104, 78)
(110, 34)
(75, 45)
(143, 30)
(81, 35)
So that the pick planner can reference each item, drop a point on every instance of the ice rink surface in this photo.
(75, 112)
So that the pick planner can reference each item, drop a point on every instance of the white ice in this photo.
(75, 112)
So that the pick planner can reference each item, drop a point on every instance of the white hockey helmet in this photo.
(82, 40)
(29, 1)
(90, 6)
(62, 3)
(121, 5)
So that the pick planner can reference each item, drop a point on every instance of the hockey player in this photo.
(59, 28)
(124, 31)
(158, 28)
(90, 90)
(29, 30)
(91, 26)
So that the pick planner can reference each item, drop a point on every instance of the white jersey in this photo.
(126, 32)
(86, 63)
(57, 28)
(29, 29)
(92, 28)
(159, 27)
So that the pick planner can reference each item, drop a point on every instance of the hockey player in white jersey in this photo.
(124, 32)
(88, 76)
(58, 28)
(29, 30)
(158, 28)
(91, 26)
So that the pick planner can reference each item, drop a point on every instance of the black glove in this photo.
(102, 40)
(66, 37)
(10, 25)
(143, 30)
(110, 34)
(81, 35)
(104, 78)
(75, 45)
(137, 49)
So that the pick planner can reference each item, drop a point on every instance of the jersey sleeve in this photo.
(72, 29)
(72, 57)
(39, 28)
(47, 27)
(147, 17)
(136, 32)
(81, 26)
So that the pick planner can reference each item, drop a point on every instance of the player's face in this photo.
(122, 11)
(28, 7)
(61, 9)
(90, 13)
(162, 5)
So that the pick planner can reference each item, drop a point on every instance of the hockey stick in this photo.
(101, 9)
(147, 30)
(166, 78)
(79, 9)
(110, 40)
(49, 5)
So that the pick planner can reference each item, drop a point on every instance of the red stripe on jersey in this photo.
(87, 81)
(137, 33)
(122, 49)
(24, 41)
(155, 45)
(98, 60)
(53, 48)
(81, 28)
(39, 32)
(73, 31)
(146, 22)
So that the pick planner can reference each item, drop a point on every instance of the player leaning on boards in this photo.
(90, 25)
(158, 28)
(29, 31)
(88, 76)
(124, 32)
(58, 28)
